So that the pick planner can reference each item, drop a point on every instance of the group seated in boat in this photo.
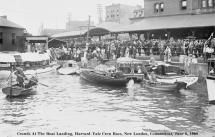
(132, 68)
(109, 71)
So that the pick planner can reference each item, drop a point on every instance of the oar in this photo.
(36, 82)
(43, 84)
(39, 83)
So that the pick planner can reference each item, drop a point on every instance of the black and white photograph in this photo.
(107, 68)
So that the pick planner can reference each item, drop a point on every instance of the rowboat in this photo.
(15, 91)
(100, 77)
(162, 86)
(69, 68)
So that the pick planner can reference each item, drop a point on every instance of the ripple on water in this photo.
(72, 103)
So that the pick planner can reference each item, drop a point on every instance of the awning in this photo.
(96, 31)
(170, 22)
(7, 58)
(69, 34)
(37, 39)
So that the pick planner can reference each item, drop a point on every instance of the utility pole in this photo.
(69, 21)
(100, 13)
(88, 28)
(41, 29)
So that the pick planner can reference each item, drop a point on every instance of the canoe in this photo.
(162, 86)
(16, 90)
(103, 78)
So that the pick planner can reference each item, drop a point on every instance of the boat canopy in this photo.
(24, 57)
(7, 58)
(34, 57)
(127, 60)
(105, 68)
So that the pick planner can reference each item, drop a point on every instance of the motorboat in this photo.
(170, 74)
(69, 68)
(30, 62)
(131, 68)
(163, 86)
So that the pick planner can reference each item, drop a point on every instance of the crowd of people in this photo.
(113, 49)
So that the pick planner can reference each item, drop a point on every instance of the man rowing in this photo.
(20, 76)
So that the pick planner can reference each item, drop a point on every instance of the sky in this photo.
(31, 14)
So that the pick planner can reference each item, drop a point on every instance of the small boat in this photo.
(105, 78)
(15, 91)
(170, 74)
(69, 68)
(188, 79)
(162, 86)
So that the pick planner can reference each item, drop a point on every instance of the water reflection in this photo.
(14, 110)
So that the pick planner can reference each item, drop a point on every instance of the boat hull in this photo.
(16, 91)
(189, 80)
(167, 87)
(67, 71)
(211, 89)
(99, 78)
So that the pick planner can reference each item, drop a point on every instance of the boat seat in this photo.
(171, 74)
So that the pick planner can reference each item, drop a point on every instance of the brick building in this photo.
(178, 7)
(11, 35)
(119, 13)
(176, 18)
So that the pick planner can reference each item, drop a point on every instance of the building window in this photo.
(13, 38)
(1, 37)
(204, 3)
(183, 4)
(210, 3)
(156, 7)
(161, 7)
